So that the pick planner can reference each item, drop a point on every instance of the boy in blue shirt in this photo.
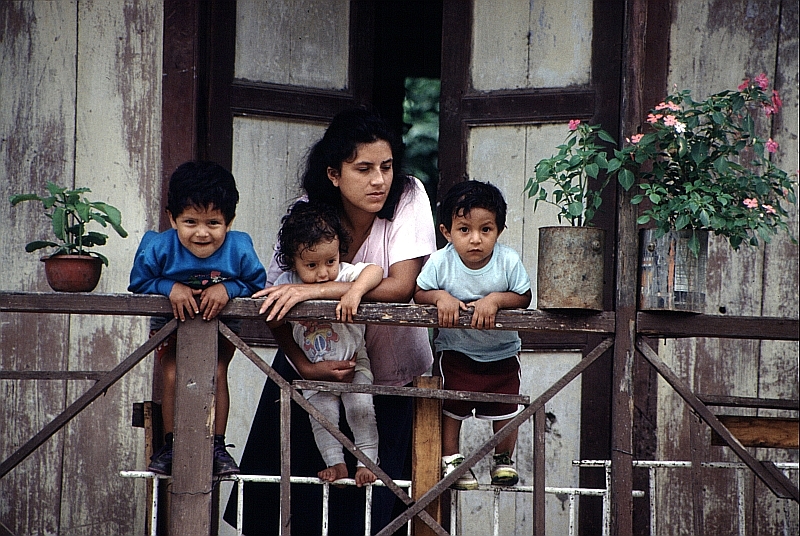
(198, 257)
(473, 270)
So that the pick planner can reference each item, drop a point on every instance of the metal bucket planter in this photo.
(570, 268)
(672, 278)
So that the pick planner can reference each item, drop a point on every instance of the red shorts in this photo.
(168, 346)
(461, 373)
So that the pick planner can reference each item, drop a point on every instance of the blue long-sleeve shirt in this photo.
(161, 261)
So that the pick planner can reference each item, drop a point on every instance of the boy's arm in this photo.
(486, 308)
(447, 307)
(369, 278)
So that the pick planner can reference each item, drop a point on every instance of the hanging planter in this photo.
(570, 268)
(672, 276)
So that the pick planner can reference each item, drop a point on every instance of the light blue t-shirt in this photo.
(503, 273)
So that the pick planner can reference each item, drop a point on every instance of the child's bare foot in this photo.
(333, 473)
(364, 476)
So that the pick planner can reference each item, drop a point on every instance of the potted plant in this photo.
(570, 267)
(71, 267)
(703, 168)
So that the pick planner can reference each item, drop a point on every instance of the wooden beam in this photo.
(718, 326)
(427, 451)
(767, 432)
(196, 360)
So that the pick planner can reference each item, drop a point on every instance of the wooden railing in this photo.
(198, 339)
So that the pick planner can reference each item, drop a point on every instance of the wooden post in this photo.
(427, 452)
(190, 512)
(625, 284)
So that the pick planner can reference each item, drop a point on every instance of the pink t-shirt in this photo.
(397, 354)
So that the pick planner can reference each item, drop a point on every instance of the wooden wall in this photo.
(80, 105)
(713, 47)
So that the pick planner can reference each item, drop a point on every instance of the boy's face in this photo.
(473, 236)
(319, 264)
(201, 230)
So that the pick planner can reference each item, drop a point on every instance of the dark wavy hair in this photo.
(349, 129)
(465, 196)
(305, 225)
(202, 185)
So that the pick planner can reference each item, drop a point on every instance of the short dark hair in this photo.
(305, 225)
(349, 129)
(202, 185)
(465, 196)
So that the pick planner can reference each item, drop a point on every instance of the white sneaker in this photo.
(467, 481)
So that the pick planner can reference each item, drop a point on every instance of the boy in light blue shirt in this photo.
(473, 270)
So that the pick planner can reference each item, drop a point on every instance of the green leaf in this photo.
(626, 179)
(641, 220)
(605, 136)
(575, 208)
(59, 222)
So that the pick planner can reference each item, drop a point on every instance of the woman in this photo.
(354, 167)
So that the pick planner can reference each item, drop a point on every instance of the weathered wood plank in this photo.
(426, 451)
(718, 326)
(768, 432)
(196, 360)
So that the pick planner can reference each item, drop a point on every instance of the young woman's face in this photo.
(318, 264)
(473, 236)
(201, 230)
(364, 182)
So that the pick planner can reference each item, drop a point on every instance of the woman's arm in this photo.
(330, 371)
(397, 287)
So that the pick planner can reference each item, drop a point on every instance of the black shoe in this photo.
(161, 461)
(224, 464)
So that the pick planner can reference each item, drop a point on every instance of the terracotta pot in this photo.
(72, 273)
(570, 268)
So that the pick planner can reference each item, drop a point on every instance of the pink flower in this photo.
(762, 81)
(668, 106)
(769, 110)
(751, 203)
(769, 209)
(636, 137)
(776, 100)
(744, 84)
(670, 120)
(573, 124)
(771, 146)
(653, 118)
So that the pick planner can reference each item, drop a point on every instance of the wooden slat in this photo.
(748, 402)
(718, 326)
(768, 432)
(427, 451)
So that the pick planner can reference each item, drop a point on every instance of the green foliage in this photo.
(580, 158)
(702, 165)
(421, 115)
(70, 211)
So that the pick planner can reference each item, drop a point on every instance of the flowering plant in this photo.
(702, 165)
(579, 158)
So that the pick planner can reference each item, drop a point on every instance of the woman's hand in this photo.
(330, 371)
(283, 297)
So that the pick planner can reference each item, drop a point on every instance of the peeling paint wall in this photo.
(713, 47)
(80, 105)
